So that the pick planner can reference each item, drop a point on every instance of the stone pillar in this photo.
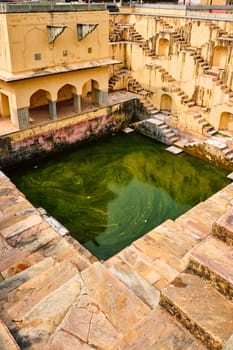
(23, 117)
(77, 103)
(101, 97)
(53, 109)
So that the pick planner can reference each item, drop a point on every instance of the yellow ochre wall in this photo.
(26, 34)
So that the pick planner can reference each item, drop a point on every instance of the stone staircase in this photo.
(191, 268)
(127, 32)
(171, 288)
(156, 128)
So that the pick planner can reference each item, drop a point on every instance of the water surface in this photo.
(112, 191)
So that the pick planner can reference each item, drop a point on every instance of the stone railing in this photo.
(49, 7)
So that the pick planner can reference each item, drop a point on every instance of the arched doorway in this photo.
(163, 48)
(4, 106)
(226, 121)
(166, 103)
(90, 94)
(39, 110)
(66, 100)
(6, 123)
(220, 56)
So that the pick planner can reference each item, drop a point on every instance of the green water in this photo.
(112, 191)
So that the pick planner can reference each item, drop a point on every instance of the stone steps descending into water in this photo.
(212, 260)
(55, 295)
(200, 308)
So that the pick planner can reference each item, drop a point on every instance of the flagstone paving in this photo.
(171, 289)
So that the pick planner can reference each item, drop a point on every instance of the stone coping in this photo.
(50, 7)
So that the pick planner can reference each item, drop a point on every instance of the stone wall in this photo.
(43, 139)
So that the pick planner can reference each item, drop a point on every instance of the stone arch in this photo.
(220, 56)
(166, 103)
(226, 121)
(4, 106)
(66, 100)
(163, 47)
(90, 94)
(39, 107)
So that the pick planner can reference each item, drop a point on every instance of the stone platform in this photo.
(171, 289)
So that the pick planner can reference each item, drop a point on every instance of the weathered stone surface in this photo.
(86, 322)
(182, 236)
(16, 206)
(223, 227)
(158, 330)
(213, 259)
(34, 238)
(7, 342)
(119, 304)
(206, 313)
(15, 281)
(37, 288)
(157, 272)
(138, 262)
(192, 222)
(21, 263)
(229, 344)
(35, 328)
(17, 224)
(141, 288)
(62, 341)
(11, 257)
(158, 250)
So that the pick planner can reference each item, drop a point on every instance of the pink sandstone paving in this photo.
(65, 297)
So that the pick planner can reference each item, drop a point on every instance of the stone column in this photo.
(77, 103)
(101, 97)
(53, 109)
(23, 117)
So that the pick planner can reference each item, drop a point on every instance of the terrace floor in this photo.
(40, 115)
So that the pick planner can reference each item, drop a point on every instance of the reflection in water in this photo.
(111, 192)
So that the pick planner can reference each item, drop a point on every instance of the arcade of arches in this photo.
(42, 107)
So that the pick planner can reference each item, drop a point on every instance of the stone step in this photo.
(122, 308)
(7, 342)
(135, 282)
(156, 271)
(212, 260)
(16, 224)
(12, 283)
(30, 293)
(158, 330)
(204, 213)
(156, 246)
(223, 227)
(21, 263)
(199, 307)
(33, 330)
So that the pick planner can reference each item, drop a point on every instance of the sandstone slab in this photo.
(7, 342)
(114, 299)
(37, 288)
(158, 330)
(223, 227)
(158, 249)
(86, 322)
(35, 328)
(202, 309)
(213, 259)
(135, 282)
